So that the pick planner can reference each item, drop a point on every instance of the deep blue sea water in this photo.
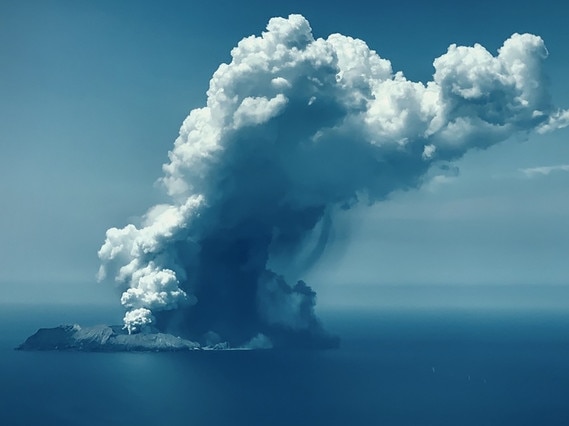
(413, 367)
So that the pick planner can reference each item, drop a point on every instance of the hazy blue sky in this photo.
(92, 95)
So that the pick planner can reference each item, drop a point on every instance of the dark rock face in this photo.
(104, 338)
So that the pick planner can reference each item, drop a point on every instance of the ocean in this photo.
(394, 367)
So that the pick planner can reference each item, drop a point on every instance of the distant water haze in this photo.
(506, 297)
(331, 296)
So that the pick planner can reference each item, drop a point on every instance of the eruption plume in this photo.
(295, 127)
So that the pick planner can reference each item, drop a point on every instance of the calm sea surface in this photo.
(396, 368)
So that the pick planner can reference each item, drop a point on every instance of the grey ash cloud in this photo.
(295, 128)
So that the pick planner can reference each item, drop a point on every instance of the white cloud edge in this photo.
(556, 121)
(532, 172)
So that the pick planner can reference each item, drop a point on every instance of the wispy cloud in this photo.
(557, 120)
(532, 172)
(444, 174)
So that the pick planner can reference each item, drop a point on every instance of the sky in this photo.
(92, 95)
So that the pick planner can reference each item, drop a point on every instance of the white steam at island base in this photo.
(294, 127)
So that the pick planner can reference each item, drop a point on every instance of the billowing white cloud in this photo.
(254, 111)
(136, 320)
(294, 126)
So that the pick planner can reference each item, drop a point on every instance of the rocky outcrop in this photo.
(104, 338)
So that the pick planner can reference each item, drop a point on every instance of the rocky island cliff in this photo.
(104, 338)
